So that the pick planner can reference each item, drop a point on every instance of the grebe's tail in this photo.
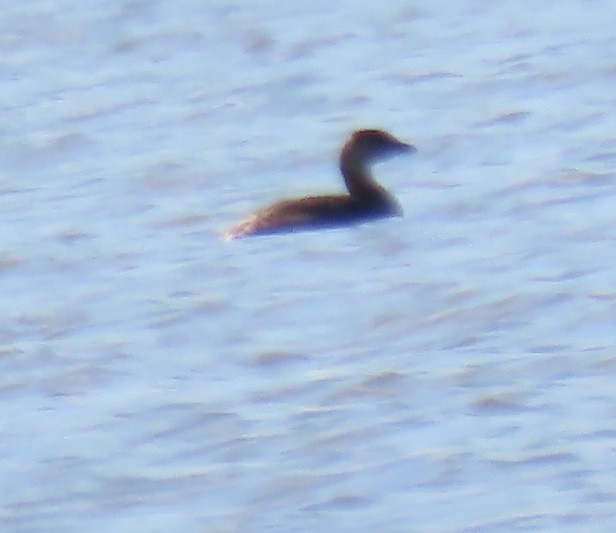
(245, 227)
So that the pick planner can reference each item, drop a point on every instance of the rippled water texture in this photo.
(449, 371)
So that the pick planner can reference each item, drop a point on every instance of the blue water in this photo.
(449, 371)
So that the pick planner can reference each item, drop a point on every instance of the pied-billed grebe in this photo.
(366, 199)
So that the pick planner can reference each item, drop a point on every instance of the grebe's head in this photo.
(374, 145)
(368, 146)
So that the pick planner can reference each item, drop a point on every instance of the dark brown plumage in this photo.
(366, 199)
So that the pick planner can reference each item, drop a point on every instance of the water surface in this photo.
(449, 371)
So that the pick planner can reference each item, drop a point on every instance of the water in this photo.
(449, 371)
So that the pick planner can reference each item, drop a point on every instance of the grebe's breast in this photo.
(315, 212)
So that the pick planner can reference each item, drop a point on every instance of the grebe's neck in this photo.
(355, 169)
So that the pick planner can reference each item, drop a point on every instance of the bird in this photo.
(366, 199)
